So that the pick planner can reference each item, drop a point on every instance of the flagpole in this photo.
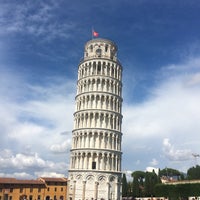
(92, 33)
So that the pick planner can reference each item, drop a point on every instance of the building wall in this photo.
(21, 192)
(56, 191)
(53, 189)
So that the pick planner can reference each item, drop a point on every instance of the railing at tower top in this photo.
(101, 57)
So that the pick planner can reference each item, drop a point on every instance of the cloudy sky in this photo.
(41, 44)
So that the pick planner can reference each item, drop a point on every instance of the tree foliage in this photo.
(138, 183)
(143, 183)
(177, 191)
(124, 186)
(169, 172)
(151, 179)
(149, 184)
(193, 173)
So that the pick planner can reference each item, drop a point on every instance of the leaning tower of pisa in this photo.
(95, 162)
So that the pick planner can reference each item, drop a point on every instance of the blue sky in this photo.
(41, 44)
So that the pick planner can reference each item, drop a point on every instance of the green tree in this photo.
(130, 193)
(151, 179)
(169, 173)
(135, 188)
(193, 173)
(124, 186)
(177, 191)
(138, 183)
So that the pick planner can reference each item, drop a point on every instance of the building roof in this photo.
(182, 182)
(39, 181)
(18, 181)
(49, 179)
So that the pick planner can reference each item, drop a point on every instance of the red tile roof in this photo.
(17, 181)
(49, 179)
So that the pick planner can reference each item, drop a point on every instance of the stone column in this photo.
(96, 191)
(102, 162)
(108, 188)
(116, 163)
(83, 194)
(113, 142)
(117, 190)
(74, 190)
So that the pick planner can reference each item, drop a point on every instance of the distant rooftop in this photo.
(39, 181)
(18, 181)
(49, 179)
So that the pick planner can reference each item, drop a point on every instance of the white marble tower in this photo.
(95, 163)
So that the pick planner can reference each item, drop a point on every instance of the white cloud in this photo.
(151, 169)
(192, 64)
(172, 107)
(129, 177)
(60, 148)
(137, 162)
(32, 120)
(154, 162)
(50, 174)
(170, 111)
(194, 80)
(20, 18)
(26, 131)
(175, 154)
(43, 111)
(22, 175)
(22, 163)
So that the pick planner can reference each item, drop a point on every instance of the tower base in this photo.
(94, 186)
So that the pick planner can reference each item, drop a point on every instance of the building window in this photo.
(11, 189)
(30, 197)
(106, 48)
(99, 68)
(31, 189)
(61, 189)
(91, 48)
(93, 165)
(38, 197)
(48, 189)
(21, 190)
(39, 189)
(10, 197)
(55, 189)
(0, 189)
(54, 197)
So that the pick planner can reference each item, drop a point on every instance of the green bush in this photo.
(178, 190)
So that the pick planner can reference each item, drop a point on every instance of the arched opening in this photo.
(47, 197)
(91, 48)
(99, 68)
(106, 48)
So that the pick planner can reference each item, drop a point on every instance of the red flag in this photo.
(95, 34)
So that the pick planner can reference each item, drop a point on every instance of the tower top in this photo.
(101, 40)
(100, 48)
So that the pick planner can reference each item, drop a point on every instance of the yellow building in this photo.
(56, 188)
(40, 189)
